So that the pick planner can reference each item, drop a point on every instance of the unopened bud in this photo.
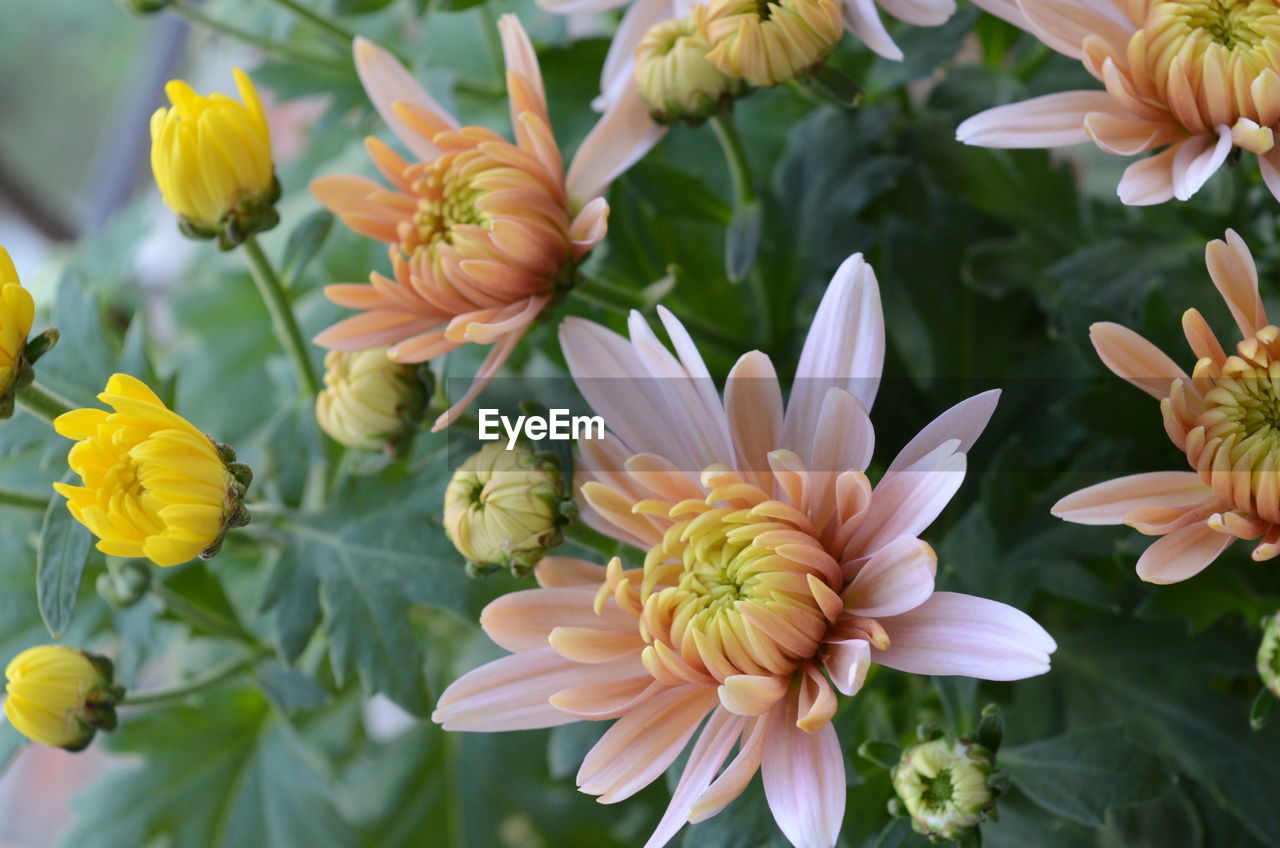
(766, 43)
(61, 697)
(945, 787)
(506, 508)
(675, 77)
(370, 402)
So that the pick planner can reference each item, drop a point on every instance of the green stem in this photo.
(43, 403)
(20, 499)
(735, 155)
(311, 15)
(606, 295)
(275, 48)
(197, 685)
(277, 300)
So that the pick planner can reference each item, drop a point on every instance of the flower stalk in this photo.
(197, 685)
(282, 317)
(194, 15)
(43, 402)
(20, 499)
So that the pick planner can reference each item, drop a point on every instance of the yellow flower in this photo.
(17, 311)
(154, 485)
(60, 696)
(769, 43)
(675, 77)
(504, 509)
(370, 402)
(211, 157)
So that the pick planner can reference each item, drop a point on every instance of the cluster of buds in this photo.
(946, 785)
(370, 402)
(505, 509)
(61, 697)
(689, 68)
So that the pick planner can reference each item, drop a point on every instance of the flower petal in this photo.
(803, 779)
(1052, 120)
(1235, 275)
(1110, 502)
(963, 422)
(386, 81)
(897, 578)
(1134, 359)
(1182, 554)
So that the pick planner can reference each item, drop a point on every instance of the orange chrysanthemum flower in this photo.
(1193, 79)
(483, 233)
(1225, 417)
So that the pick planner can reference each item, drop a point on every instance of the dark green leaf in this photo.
(304, 243)
(62, 555)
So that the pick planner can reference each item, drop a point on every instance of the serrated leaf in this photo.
(1079, 775)
(62, 555)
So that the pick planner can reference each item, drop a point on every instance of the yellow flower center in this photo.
(1231, 23)
(728, 590)
(448, 196)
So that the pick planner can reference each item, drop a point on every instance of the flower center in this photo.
(1241, 422)
(1231, 23)
(938, 791)
(727, 590)
(448, 193)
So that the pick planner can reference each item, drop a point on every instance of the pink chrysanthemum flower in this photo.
(483, 233)
(1193, 79)
(1225, 417)
(775, 574)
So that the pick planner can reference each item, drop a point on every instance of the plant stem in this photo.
(277, 301)
(43, 403)
(196, 616)
(735, 155)
(275, 48)
(20, 499)
(311, 15)
(607, 295)
(197, 685)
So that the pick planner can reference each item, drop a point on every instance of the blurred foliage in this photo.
(992, 265)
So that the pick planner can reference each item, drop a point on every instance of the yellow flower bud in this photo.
(945, 787)
(505, 508)
(675, 77)
(154, 485)
(769, 43)
(369, 402)
(211, 157)
(17, 311)
(60, 696)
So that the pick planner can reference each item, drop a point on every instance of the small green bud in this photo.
(946, 787)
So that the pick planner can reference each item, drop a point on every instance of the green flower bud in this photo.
(506, 508)
(945, 786)
(675, 77)
(1269, 655)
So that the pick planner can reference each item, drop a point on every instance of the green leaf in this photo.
(742, 240)
(1168, 820)
(1079, 775)
(223, 773)
(62, 555)
(11, 742)
(304, 243)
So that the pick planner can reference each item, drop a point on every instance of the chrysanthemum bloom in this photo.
(775, 574)
(17, 312)
(769, 43)
(211, 157)
(675, 76)
(154, 485)
(483, 233)
(1224, 417)
(1192, 79)
(944, 787)
(59, 696)
(506, 508)
(369, 402)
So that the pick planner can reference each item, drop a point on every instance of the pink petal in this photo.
(848, 661)
(619, 63)
(1052, 120)
(512, 693)
(1148, 181)
(1005, 9)
(1199, 158)
(490, 367)
(1182, 554)
(897, 578)
(522, 621)
(737, 774)
(1134, 359)
(920, 12)
(641, 744)
(623, 135)
(753, 405)
(963, 422)
(1112, 501)
(907, 501)
(1236, 276)
(844, 348)
(803, 779)
(520, 58)
(589, 227)
(953, 634)
(1269, 164)
(555, 572)
(386, 81)
(1065, 24)
(863, 20)
(751, 694)
(709, 753)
